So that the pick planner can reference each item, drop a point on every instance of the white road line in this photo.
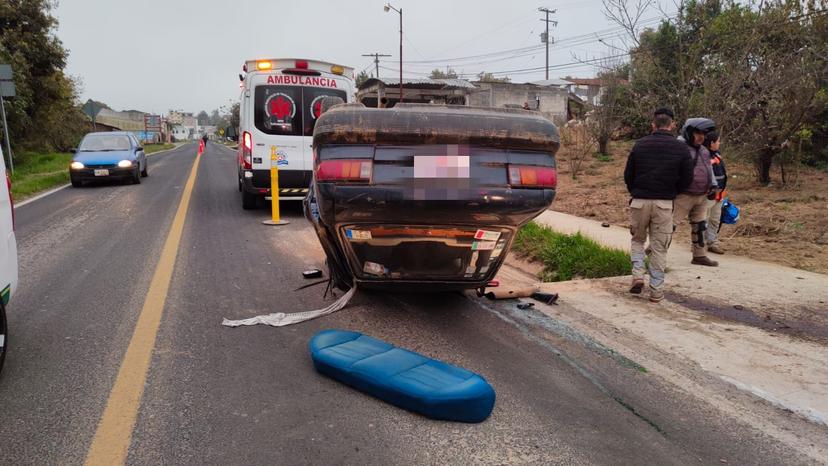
(20, 204)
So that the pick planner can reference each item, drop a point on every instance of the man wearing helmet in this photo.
(692, 203)
(657, 170)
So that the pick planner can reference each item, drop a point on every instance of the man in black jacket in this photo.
(658, 168)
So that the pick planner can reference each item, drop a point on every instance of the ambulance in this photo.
(281, 98)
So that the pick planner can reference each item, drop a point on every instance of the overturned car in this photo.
(426, 197)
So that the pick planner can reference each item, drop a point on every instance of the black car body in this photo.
(426, 197)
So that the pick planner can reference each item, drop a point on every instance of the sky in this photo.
(158, 55)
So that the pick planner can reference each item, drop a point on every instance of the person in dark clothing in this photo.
(657, 169)
(204, 138)
(714, 220)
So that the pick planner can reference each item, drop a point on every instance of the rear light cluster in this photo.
(11, 199)
(247, 150)
(344, 170)
(529, 176)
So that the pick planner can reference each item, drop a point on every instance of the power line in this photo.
(376, 56)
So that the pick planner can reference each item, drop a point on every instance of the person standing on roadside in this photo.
(657, 170)
(714, 217)
(692, 203)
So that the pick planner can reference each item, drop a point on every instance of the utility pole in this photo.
(376, 59)
(545, 36)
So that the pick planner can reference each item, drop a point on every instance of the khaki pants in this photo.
(714, 222)
(653, 218)
(694, 208)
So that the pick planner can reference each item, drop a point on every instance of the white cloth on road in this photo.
(280, 319)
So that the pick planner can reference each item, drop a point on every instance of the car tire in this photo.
(136, 177)
(4, 335)
(145, 171)
(249, 201)
(241, 185)
(75, 183)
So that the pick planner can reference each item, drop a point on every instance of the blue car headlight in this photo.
(76, 165)
(125, 163)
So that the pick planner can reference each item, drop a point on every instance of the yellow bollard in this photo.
(274, 189)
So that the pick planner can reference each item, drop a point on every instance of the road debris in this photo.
(312, 273)
(280, 319)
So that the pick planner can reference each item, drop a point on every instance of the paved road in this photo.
(216, 395)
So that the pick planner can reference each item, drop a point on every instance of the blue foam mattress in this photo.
(401, 377)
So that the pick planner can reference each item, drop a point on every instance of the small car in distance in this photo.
(114, 155)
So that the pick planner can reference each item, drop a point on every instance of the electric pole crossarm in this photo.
(376, 59)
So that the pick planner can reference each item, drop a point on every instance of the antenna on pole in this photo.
(545, 36)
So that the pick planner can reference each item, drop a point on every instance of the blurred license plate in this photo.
(441, 166)
(101, 172)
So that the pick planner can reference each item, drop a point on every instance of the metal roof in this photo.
(552, 82)
(420, 82)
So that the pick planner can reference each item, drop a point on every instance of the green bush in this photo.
(566, 257)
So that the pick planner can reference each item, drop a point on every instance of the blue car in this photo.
(108, 156)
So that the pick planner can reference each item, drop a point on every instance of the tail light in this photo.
(344, 170)
(11, 199)
(247, 150)
(529, 176)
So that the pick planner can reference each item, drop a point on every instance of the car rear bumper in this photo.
(391, 239)
(292, 183)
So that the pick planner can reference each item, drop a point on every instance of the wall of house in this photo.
(552, 100)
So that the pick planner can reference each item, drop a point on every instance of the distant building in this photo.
(130, 120)
(590, 90)
(555, 102)
(415, 90)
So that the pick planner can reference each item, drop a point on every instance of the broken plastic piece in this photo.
(546, 298)
(312, 273)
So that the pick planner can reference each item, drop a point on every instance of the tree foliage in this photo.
(440, 74)
(490, 78)
(758, 69)
(362, 77)
(44, 115)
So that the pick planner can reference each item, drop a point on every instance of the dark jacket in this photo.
(720, 173)
(658, 167)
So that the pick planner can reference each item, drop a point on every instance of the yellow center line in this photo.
(114, 433)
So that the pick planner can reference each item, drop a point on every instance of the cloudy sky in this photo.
(158, 55)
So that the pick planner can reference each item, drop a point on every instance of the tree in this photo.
(203, 118)
(605, 117)
(490, 78)
(362, 77)
(234, 116)
(758, 69)
(439, 74)
(44, 115)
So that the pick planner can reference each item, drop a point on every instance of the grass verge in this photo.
(35, 172)
(150, 148)
(566, 257)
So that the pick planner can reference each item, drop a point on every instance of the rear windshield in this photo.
(104, 142)
(289, 110)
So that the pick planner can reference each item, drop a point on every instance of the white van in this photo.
(279, 104)
(8, 253)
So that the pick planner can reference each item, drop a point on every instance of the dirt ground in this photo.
(784, 225)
